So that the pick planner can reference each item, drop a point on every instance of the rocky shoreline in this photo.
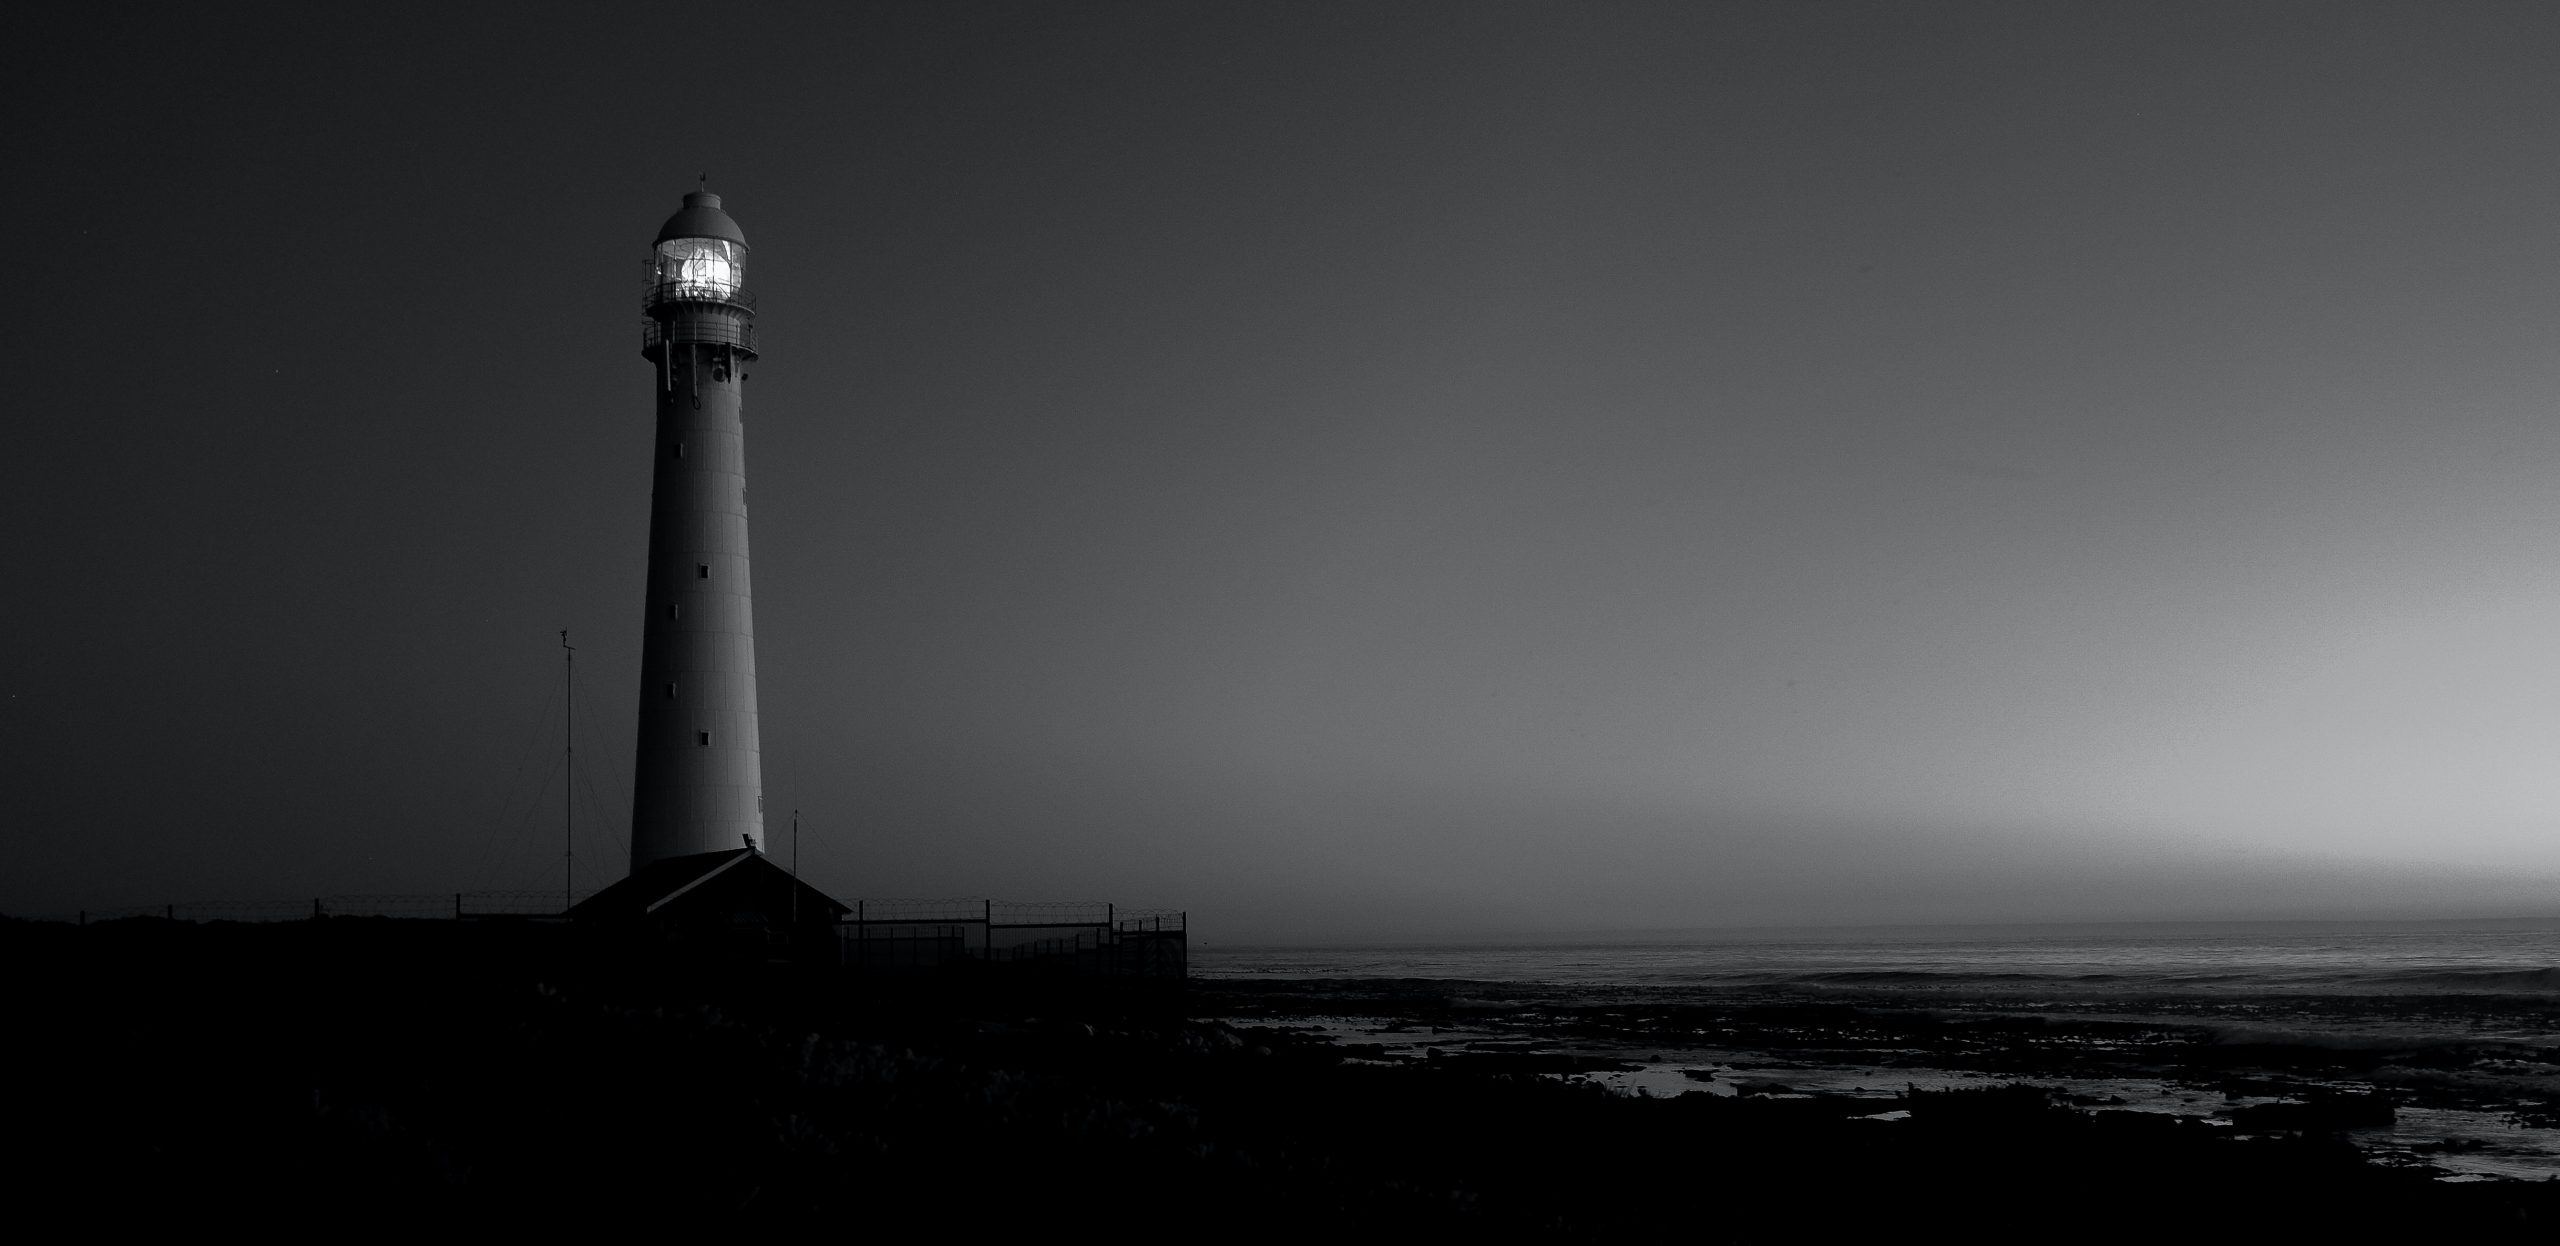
(331, 1070)
(2472, 1082)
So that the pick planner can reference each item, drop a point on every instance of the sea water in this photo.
(2331, 958)
(2482, 987)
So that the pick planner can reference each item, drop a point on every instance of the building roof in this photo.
(701, 217)
(658, 889)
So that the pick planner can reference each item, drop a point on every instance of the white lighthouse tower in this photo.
(699, 781)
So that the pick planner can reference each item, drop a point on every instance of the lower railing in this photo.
(1085, 939)
(441, 904)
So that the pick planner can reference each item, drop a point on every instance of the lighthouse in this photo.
(698, 783)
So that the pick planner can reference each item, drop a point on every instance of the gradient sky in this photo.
(1350, 471)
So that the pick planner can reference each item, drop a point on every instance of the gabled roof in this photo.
(664, 883)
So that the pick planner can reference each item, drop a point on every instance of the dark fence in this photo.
(878, 936)
(463, 904)
(1085, 939)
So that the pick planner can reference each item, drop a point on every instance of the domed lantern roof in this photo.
(701, 217)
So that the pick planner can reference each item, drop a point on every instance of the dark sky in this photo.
(1347, 470)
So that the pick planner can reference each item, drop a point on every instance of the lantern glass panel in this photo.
(701, 267)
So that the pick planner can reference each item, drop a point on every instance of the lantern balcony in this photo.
(666, 295)
(736, 334)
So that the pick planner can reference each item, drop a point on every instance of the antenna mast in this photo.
(569, 758)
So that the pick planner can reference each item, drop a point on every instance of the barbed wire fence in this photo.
(894, 936)
(970, 911)
(1085, 937)
(449, 904)
(1013, 914)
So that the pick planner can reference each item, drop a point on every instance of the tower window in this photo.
(702, 571)
(671, 690)
(673, 609)
(702, 737)
(675, 449)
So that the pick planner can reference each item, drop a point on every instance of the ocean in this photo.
(2456, 1024)
(2328, 958)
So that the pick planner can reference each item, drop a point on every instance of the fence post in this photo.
(457, 906)
(990, 927)
(316, 911)
(169, 912)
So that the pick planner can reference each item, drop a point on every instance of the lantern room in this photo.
(697, 283)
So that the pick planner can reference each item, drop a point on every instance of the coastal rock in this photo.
(2322, 1113)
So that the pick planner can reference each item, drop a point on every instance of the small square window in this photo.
(671, 690)
(676, 449)
(702, 737)
(673, 610)
(702, 571)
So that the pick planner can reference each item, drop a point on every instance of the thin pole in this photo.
(795, 869)
(569, 757)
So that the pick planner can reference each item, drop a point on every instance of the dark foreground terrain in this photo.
(405, 1077)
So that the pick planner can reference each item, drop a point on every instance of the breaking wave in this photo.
(2481, 981)
(2512, 981)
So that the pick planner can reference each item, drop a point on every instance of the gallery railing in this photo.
(664, 294)
(703, 332)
